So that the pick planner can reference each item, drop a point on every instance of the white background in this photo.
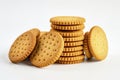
(17, 16)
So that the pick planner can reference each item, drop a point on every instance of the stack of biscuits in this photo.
(64, 44)
(71, 29)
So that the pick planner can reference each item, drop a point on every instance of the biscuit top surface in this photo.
(50, 47)
(67, 20)
(98, 43)
(22, 47)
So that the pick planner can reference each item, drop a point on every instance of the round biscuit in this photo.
(69, 62)
(22, 47)
(75, 53)
(98, 43)
(71, 39)
(67, 20)
(72, 58)
(69, 33)
(76, 48)
(49, 49)
(75, 43)
(67, 28)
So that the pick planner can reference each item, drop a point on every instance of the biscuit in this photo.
(49, 49)
(76, 48)
(75, 43)
(22, 47)
(35, 31)
(98, 43)
(67, 20)
(74, 27)
(43, 32)
(70, 62)
(69, 33)
(86, 47)
(70, 39)
(75, 53)
(73, 58)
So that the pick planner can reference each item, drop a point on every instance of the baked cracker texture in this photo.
(75, 43)
(68, 28)
(98, 43)
(76, 48)
(22, 47)
(73, 58)
(49, 49)
(74, 53)
(71, 39)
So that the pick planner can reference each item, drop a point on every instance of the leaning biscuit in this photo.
(69, 33)
(75, 53)
(75, 43)
(22, 47)
(50, 47)
(86, 46)
(98, 43)
(73, 27)
(76, 48)
(67, 20)
(73, 58)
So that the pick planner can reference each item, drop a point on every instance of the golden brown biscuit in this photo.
(86, 46)
(48, 50)
(98, 43)
(69, 33)
(75, 53)
(75, 43)
(73, 58)
(76, 48)
(70, 62)
(22, 47)
(67, 20)
(74, 27)
(68, 39)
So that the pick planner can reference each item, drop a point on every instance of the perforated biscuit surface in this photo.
(22, 47)
(50, 47)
